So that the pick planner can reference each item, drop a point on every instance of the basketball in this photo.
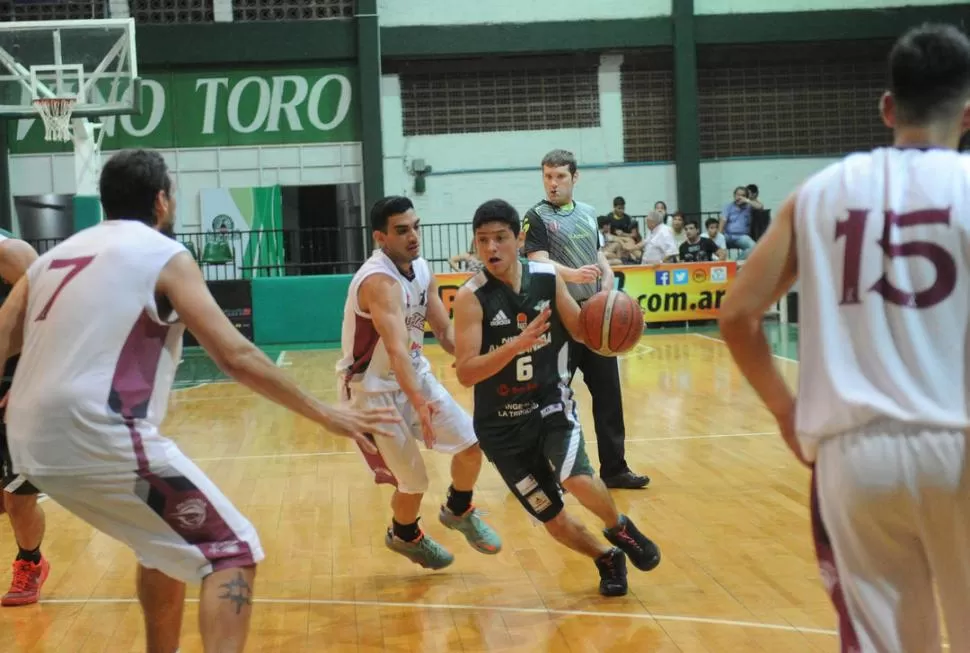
(612, 322)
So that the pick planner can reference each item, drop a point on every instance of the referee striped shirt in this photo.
(569, 234)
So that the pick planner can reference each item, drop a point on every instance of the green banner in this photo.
(221, 109)
(244, 226)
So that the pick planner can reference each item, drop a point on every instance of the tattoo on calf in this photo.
(238, 592)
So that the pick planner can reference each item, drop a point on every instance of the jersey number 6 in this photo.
(523, 368)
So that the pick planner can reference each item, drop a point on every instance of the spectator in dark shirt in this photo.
(696, 249)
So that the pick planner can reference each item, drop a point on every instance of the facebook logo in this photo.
(680, 277)
(662, 278)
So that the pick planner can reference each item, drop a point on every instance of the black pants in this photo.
(602, 376)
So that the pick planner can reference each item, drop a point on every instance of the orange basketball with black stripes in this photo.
(611, 322)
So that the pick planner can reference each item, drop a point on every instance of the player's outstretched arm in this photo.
(568, 310)
(182, 283)
(438, 319)
(474, 367)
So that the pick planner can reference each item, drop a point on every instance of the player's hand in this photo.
(426, 413)
(532, 334)
(786, 423)
(357, 424)
(586, 274)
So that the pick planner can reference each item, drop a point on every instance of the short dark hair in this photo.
(385, 207)
(710, 221)
(618, 200)
(929, 73)
(497, 211)
(559, 158)
(129, 184)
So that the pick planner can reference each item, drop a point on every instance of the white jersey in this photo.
(884, 273)
(365, 366)
(98, 361)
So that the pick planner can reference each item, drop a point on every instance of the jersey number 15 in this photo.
(853, 228)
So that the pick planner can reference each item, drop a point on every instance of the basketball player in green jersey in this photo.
(512, 323)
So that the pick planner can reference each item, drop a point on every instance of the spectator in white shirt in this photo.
(659, 245)
(713, 226)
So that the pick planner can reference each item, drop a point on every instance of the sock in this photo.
(458, 502)
(30, 556)
(407, 532)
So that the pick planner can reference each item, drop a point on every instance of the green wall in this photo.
(299, 310)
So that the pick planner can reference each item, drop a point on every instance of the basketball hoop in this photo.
(56, 114)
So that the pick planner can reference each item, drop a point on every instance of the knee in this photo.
(472, 454)
(559, 525)
(576, 484)
(416, 484)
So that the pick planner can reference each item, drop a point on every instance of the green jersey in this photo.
(509, 404)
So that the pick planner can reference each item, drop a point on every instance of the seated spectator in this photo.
(713, 226)
(695, 249)
(472, 264)
(658, 245)
(661, 206)
(736, 222)
(619, 249)
(760, 218)
(677, 227)
(622, 222)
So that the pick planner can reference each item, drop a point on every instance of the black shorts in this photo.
(10, 481)
(535, 474)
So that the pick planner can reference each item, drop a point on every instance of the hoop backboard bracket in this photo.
(92, 60)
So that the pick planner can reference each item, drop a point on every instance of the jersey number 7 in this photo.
(853, 228)
(76, 265)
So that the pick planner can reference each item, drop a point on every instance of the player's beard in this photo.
(167, 230)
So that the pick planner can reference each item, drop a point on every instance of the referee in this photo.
(566, 233)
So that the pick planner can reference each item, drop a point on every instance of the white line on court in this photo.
(645, 616)
(281, 360)
(778, 356)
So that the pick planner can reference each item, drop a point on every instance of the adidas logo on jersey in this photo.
(500, 319)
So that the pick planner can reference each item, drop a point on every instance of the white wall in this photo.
(706, 7)
(395, 13)
(468, 169)
(195, 169)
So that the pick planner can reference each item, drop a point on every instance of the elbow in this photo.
(733, 319)
(464, 378)
(235, 362)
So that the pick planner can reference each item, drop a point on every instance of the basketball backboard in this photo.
(94, 60)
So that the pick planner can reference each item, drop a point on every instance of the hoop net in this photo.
(56, 114)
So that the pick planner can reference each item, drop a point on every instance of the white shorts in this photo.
(401, 452)
(173, 517)
(895, 503)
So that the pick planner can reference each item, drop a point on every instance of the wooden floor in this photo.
(728, 506)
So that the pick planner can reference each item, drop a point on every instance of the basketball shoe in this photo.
(479, 534)
(612, 568)
(28, 578)
(644, 554)
(423, 551)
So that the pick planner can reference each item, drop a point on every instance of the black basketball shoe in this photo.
(612, 568)
(644, 554)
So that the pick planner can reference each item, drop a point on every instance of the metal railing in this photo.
(296, 252)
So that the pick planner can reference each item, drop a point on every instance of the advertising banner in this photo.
(673, 292)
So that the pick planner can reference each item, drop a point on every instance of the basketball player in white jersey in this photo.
(100, 318)
(881, 244)
(390, 299)
(30, 568)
